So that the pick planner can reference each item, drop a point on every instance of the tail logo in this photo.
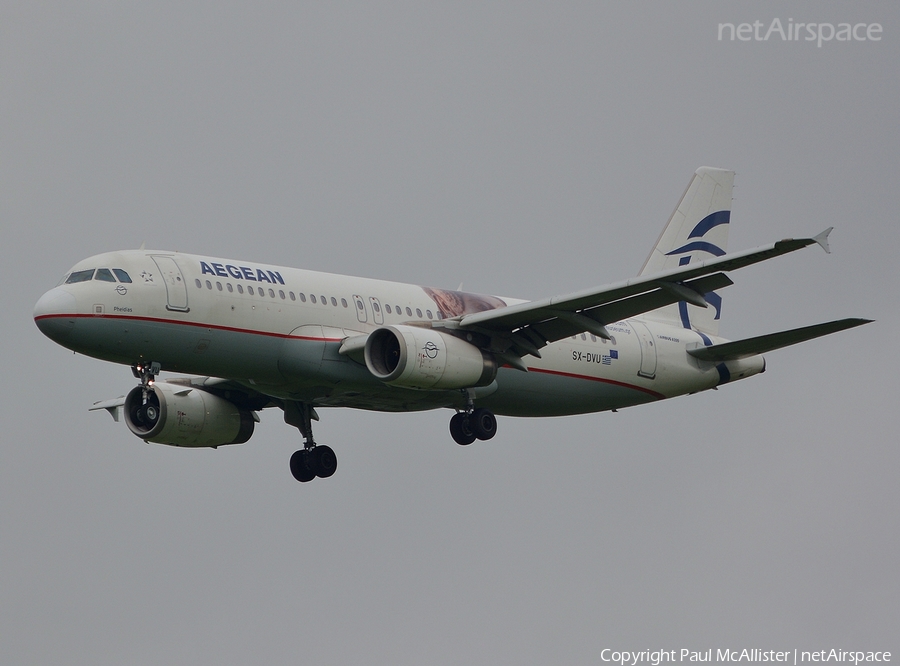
(703, 227)
(699, 231)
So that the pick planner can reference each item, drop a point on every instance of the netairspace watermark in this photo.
(748, 655)
(800, 32)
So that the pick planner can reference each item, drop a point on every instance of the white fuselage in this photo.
(278, 331)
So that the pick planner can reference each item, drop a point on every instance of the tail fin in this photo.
(697, 230)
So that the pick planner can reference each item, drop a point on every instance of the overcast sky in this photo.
(522, 149)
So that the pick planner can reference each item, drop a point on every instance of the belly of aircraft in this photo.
(313, 371)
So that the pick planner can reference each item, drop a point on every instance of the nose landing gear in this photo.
(146, 414)
(146, 372)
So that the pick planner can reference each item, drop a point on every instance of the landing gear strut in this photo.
(472, 424)
(312, 460)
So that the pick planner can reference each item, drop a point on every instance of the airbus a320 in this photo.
(252, 336)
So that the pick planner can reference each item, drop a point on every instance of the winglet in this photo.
(822, 239)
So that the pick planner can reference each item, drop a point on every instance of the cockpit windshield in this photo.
(80, 276)
(101, 274)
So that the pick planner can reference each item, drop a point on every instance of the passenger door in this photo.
(176, 289)
(648, 349)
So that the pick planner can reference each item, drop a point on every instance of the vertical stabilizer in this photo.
(697, 230)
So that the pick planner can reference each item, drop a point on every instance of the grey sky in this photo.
(523, 149)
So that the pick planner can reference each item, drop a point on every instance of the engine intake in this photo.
(423, 358)
(181, 415)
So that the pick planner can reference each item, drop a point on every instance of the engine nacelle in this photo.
(182, 415)
(423, 358)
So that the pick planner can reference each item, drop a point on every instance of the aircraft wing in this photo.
(113, 406)
(731, 351)
(226, 388)
(526, 327)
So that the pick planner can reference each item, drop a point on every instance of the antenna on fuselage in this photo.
(143, 243)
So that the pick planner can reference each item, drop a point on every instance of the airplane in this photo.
(252, 336)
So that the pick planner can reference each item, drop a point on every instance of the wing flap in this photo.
(732, 351)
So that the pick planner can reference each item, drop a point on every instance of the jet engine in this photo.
(182, 415)
(423, 358)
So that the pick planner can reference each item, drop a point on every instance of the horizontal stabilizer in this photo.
(731, 351)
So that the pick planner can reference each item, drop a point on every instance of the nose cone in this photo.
(54, 314)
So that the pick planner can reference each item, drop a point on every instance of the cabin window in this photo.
(408, 312)
(359, 305)
(375, 306)
(230, 288)
(240, 289)
(198, 283)
(219, 286)
(312, 298)
(324, 300)
(250, 290)
(271, 293)
(281, 294)
(302, 297)
(80, 276)
(293, 298)
(428, 314)
(208, 284)
(122, 275)
(344, 302)
(418, 313)
(387, 308)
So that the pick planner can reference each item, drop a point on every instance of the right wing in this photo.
(524, 328)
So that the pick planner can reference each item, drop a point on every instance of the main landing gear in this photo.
(472, 424)
(312, 460)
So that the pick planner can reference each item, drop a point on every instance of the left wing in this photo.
(225, 388)
(523, 329)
